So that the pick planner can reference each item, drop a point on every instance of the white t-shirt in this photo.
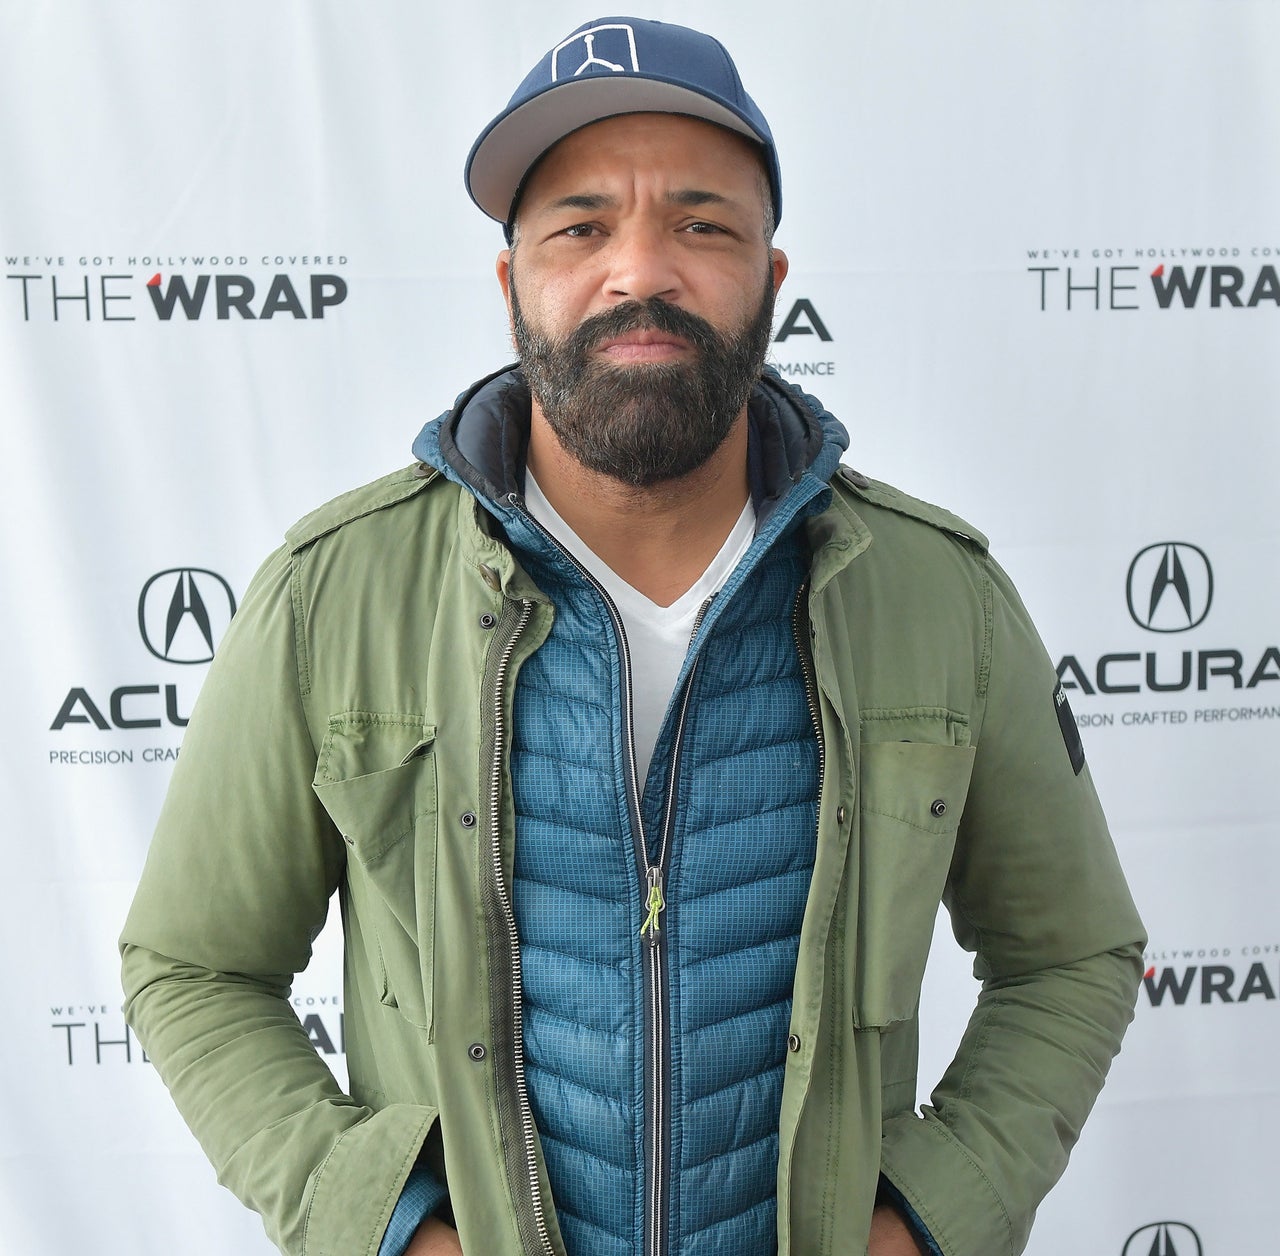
(657, 636)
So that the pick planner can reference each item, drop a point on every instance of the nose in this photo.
(642, 263)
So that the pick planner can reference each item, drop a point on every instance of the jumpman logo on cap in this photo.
(610, 47)
(590, 40)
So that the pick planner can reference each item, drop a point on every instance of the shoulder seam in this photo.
(886, 496)
(381, 494)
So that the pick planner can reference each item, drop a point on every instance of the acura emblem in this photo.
(1166, 1238)
(1170, 587)
(183, 612)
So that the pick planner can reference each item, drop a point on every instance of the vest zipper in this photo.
(531, 1222)
(652, 890)
(660, 1064)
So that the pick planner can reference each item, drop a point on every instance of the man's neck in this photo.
(659, 539)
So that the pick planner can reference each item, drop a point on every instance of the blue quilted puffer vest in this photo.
(655, 1028)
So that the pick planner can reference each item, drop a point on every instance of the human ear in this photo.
(503, 270)
(779, 265)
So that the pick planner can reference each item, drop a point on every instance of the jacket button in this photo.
(841, 815)
(793, 1043)
(490, 577)
(938, 807)
(476, 1051)
(468, 819)
(487, 620)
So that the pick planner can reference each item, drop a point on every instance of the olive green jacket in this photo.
(352, 736)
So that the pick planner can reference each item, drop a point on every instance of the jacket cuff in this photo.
(889, 1194)
(357, 1187)
(945, 1186)
(423, 1193)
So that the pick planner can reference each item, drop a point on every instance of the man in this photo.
(641, 741)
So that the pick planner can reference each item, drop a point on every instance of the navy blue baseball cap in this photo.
(612, 66)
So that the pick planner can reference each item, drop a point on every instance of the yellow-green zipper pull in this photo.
(655, 905)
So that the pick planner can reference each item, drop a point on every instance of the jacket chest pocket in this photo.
(912, 795)
(376, 777)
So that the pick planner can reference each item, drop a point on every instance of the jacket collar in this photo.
(481, 443)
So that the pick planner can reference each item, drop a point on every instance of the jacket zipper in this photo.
(652, 890)
(524, 1112)
(800, 628)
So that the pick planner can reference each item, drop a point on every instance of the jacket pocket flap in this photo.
(375, 777)
(923, 785)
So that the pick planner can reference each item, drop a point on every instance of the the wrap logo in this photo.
(1169, 587)
(1164, 1238)
(1214, 975)
(177, 288)
(1212, 278)
(183, 612)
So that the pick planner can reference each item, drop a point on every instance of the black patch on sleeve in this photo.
(1070, 733)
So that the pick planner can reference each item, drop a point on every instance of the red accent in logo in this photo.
(1155, 274)
(154, 281)
(1151, 972)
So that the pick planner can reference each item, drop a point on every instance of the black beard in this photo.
(650, 422)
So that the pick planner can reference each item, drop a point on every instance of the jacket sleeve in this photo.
(1036, 890)
(235, 889)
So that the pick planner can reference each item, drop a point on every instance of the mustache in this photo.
(654, 314)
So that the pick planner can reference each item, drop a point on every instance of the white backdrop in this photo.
(1035, 246)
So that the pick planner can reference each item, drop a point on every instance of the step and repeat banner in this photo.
(1035, 269)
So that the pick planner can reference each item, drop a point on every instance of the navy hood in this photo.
(481, 443)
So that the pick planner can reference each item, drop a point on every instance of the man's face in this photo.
(641, 291)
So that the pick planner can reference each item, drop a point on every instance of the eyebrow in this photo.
(690, 198)
(580, 200)
(693, 197)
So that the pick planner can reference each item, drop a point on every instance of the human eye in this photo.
(579, 231)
